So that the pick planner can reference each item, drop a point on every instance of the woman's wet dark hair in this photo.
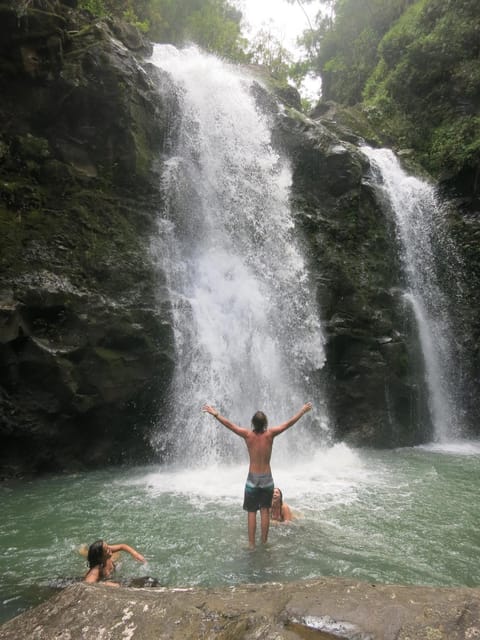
(281, 496)
(259, 422)
(95, 554)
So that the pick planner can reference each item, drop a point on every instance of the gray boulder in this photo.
(326, 608)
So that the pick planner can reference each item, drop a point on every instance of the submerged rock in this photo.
(326, 608)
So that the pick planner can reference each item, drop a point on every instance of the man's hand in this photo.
(307, 407)
(211, 410)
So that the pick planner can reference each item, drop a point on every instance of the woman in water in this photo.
(101, 561)
(280, 511)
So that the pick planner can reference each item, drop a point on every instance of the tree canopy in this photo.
(212, 24)
(413, 66)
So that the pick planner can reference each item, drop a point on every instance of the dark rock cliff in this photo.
(373, 374)
(86, 342)
(85, 338)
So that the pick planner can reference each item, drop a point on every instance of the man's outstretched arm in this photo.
(289, 423)
(240, 431)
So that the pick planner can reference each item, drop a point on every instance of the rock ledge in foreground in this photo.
(326, 608)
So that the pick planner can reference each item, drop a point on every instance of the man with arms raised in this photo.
(259, 486)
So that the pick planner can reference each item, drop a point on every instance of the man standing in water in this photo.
(259, 485)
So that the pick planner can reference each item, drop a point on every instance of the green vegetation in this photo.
(268, 51)
(413, 67)
(345, 50)
(212, 24)
(410, 65)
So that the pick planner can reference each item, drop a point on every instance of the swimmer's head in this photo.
(96, 553)
(277, 496)
(259, 422)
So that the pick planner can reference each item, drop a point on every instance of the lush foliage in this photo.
(425, 90)
(268, 51)
(212, 24)
(215, 25)
(414, 66)
(344, 49)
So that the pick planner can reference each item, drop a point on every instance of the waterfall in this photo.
(419, 226)
(247, 333)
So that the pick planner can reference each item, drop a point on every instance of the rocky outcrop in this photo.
(373, 376)
(459, 258)
(327, 609)
(85, 335)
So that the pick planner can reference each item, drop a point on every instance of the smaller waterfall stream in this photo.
(247, 330)
(418, 221)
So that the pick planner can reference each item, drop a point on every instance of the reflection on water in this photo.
(404, 516)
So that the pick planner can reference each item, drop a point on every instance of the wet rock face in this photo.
(85, 335)
(373, 375)
(86, 342)
(326, 608)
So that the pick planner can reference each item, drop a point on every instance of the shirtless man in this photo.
(259, 486)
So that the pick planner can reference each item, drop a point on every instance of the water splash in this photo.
(247, 330)
(418, 219)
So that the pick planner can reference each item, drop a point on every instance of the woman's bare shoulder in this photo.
(92, 575)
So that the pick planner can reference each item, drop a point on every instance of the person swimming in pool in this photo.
(259, 486)
(101, 561)
(280, 511)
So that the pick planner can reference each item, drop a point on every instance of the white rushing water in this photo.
(418, 218)
(246, 324)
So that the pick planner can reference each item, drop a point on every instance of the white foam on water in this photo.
(333, 474)
(455, 447)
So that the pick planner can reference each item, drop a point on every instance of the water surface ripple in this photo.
(403, 516)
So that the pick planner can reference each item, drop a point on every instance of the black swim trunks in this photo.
(258, 491)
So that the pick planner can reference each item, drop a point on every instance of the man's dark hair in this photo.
(259, 422)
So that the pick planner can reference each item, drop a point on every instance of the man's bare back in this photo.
(259, 447)
(259, 485)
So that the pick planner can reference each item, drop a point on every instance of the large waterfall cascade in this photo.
(418, 220)
(247, 330)
(248, 337)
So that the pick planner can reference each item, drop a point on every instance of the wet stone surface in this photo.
(320, 609)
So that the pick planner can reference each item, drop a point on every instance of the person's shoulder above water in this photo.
(280, 511)
(101, 558)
